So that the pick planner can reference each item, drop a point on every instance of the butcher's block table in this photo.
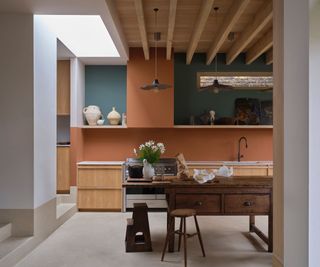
(223, 196)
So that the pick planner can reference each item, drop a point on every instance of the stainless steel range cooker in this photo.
(154, 197)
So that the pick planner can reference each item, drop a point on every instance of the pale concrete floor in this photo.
(97, 239)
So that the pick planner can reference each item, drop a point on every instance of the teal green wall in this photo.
(189, 101)
(106, 87)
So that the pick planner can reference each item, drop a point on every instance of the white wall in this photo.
(77, 92)
(314, 135)
(296, 136)
(16, 109)
(45, 124)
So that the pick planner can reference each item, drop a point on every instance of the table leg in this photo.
(252, 223)
(270, 233)
(171, 228)
(171, 206)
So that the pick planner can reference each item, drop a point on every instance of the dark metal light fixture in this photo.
(216, 87)
(156, 85)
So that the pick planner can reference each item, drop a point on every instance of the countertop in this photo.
(234, 163)
(97, 163)
(204, 163)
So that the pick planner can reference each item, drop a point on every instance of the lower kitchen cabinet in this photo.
(254, 170)
(100, 187)
(63, 169)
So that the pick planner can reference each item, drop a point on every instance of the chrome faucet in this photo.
(239, 143)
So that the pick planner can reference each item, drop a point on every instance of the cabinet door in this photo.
(95, 199)
(63, 170)
(250, 170)
(270, 171)
(63, 87)
(109, 177)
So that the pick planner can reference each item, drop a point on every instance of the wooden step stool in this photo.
(138, 232)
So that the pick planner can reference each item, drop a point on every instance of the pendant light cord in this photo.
(216, 21)
(156, 44)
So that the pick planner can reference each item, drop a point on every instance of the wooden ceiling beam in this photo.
(260, 20)
(269, 57)
(172, 20)
(261, 46)
(142, 28)
(199, 27)
(237, 8)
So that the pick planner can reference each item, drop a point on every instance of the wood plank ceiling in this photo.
(193, 26)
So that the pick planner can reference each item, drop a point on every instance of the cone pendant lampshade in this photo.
(156, 85)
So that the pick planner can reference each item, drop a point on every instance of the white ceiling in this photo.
(73, 7)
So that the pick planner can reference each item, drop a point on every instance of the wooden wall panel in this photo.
(63, 87)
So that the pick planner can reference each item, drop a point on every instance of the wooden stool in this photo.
(138, 232)
(182, 214)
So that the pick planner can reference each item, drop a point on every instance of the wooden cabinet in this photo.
(250, 170)
(63, 87)
(100, 187)
(238, 170)
(63, 170)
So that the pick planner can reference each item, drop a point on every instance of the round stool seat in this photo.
(183, 213)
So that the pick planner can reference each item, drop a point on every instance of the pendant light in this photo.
(216, 87)
(156, 85)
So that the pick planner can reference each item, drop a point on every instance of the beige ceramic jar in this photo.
(92, 114)
(114, 117)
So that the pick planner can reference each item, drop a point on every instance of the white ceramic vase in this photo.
(114, 117)
(92, 114)
(148, 170)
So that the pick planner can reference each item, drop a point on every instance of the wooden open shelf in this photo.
(224, 126)
(186, 127)
(104, 127)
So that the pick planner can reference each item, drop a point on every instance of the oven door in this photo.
(155, 198)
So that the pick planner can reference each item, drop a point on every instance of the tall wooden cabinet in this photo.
(63, 87)
(100, 187)
(63, 169)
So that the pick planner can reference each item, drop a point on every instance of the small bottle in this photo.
(192, 120)
(124, 119)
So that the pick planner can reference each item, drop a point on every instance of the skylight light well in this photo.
(84, 35)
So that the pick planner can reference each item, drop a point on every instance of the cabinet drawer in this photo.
(201, 203)
(109, 199)
(247, 203)
(250, 171)
(110, 178)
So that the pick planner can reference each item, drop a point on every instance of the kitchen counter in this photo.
(233, 163)
(99, 163)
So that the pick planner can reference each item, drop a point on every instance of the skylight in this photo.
(84, 35)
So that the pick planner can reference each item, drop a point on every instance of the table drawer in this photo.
(209, 203)
(247, 203)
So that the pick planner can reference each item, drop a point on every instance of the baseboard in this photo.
(45, 222)
(276, 261)
(22, 221)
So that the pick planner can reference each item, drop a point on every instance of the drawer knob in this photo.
(198, 203)
(248, 203)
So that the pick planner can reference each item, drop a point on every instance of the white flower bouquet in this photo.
(150, 151)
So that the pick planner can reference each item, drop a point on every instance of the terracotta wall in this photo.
(147, 108)
(196, 144)
(151, 115)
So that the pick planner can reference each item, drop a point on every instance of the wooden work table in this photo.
(223, 196)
